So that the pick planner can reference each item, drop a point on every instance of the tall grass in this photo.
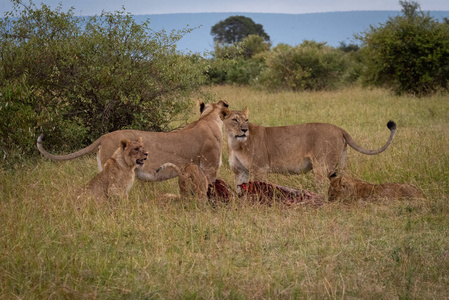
(150, 246)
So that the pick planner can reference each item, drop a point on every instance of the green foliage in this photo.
(230, 71)
(235, 28)
(217, 70)
(245, 71)
(409, 53)
(246, 49)
(78, 78)
(309, 66)
(348, 47)
(253, 45)
(238, 63)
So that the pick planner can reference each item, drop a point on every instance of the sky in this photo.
(140, 7)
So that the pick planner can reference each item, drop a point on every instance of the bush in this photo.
(237, 63)
(78, 78)
(309, 66)
(245, 71)
(216, 70)
(409, 53)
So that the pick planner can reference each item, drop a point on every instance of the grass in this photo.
(150, 247)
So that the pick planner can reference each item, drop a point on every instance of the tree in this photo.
(78, 78)
(409, 53)
(348, 47)
(246, 49)
(410, 8)
(235, 28)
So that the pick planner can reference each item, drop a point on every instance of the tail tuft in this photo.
(391, 125)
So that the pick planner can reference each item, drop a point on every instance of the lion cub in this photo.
(351, 188)
(117, 176)
(191, 180)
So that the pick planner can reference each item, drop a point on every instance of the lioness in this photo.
(288, 149)
(200, 142)
(117, 176)
(351, 188)
(191, 180)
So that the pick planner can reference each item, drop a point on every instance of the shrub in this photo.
(216, 70)
(245, 71)
(237, 63)
(78, 78)
(409, 53)
(309, 66)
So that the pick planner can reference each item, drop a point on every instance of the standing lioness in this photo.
(288, 149)
(200, 143)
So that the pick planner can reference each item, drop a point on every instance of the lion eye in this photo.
(235, 120)
(136, 149)
(246, 120)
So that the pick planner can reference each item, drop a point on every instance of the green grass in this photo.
(54, 246)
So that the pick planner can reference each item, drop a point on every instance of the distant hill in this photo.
(292, 29)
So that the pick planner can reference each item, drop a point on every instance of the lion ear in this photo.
(223, 103)
(245, 112)
(124, 143)
(224, 113)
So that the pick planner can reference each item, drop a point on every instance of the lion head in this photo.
(133, 152)
(221, 107)
(236, 125)
(339, 189)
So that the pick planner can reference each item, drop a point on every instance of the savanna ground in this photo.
(148, 246)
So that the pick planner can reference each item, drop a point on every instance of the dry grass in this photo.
(52, 246)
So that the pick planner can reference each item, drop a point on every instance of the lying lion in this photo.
(199, 142)
(350, 188)
(291, 149)
(117, 176)
(191, 181)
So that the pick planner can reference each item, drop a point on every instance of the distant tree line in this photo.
(408, 54)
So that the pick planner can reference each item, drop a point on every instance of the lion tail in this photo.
(391, 126)
(170, 165)
(89, 149)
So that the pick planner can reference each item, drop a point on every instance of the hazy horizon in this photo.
(139, 7)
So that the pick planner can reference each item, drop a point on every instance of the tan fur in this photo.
(200, 142)
(117, 176)
(191, 181)
(350, 188)
(294, 149)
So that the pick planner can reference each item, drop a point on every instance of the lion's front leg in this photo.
(240, 177)
(241, 174)
(210, 172)
(259, 174)
(210, 162)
